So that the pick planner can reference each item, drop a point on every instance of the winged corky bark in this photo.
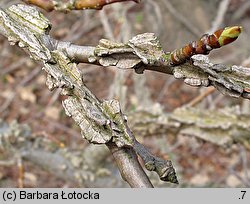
(100, 122)
(144, 52)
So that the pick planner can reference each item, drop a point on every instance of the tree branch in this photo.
(103, 122)
(144, 52)
(126, 161)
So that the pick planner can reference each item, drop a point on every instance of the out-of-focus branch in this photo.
(239, 13)
(201, 96)
(222, 127)
(182, 19)
(100, 122)
(50, 5)
(83, 167)
(222, 9)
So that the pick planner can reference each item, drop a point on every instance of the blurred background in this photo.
(153, 101)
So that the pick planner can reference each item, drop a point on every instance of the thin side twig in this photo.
(200, 97)
(222, 9)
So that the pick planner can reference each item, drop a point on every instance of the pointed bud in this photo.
(229, 34)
